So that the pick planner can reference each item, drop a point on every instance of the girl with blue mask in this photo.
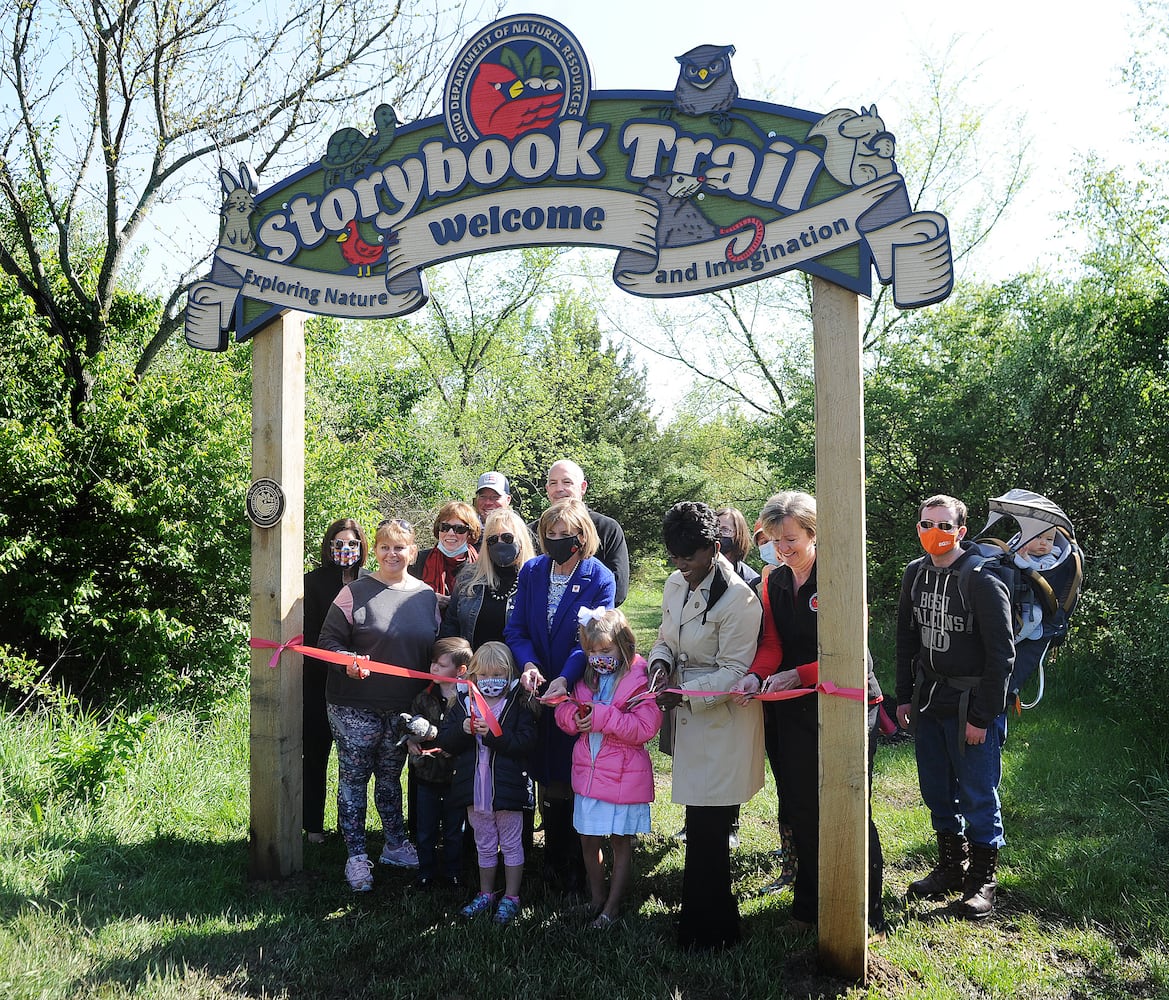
(491, 774)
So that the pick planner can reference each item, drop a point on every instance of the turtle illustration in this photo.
(351, 151)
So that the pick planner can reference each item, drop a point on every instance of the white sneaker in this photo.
(404, 855)
(359, 873)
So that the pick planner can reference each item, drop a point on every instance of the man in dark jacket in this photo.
(954, 659)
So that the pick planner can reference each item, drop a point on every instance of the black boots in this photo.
(978, 892)
(950, 874)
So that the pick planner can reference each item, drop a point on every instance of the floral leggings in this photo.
(365, 749)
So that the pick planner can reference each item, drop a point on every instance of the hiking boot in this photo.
(402, 856)
(977, 901)
(509, 909)
(359, 873)
(484, 902)
(949, 875)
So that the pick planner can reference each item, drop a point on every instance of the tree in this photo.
(110, 113)
(123, 547)
(749, 345)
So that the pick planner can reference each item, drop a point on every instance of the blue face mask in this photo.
(768, 554)
(453, 553)
(492, 687)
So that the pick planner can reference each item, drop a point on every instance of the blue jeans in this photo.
(961, 790)
(436, 811)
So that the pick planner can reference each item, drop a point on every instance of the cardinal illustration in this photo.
(503, 104)
(357, 252)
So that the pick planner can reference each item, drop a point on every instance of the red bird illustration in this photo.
(357, 252)
(498, 107)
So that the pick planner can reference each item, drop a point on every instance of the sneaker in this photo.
(509, 909)
(484, 902)
(681, 835)
(359, 873)
(403, 856)
(733, 839)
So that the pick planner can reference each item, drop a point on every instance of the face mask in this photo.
(503, 553)
(602, 663)
(768, 554)
(726, 545)
(453, 553)
(937, 542)
(492, 687)
(345, 554)
(562, 549)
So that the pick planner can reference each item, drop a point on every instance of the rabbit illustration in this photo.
(235, 217)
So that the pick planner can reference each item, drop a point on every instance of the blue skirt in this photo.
(600, 819)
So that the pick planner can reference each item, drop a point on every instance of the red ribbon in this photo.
(365, 663)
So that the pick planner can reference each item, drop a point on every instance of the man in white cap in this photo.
(566, 480)
(492, 491)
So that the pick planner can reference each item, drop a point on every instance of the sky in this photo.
(1046, 61)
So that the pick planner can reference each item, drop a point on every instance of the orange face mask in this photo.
(937, 542)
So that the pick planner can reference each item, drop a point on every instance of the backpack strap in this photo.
(964, 685)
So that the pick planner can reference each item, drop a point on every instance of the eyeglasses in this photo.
(458, 528)
(340, 544)
(404, 525)
(944, 525)
(507, 538)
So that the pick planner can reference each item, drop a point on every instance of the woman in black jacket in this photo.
(343, 553)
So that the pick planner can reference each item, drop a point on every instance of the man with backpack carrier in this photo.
(955, 655)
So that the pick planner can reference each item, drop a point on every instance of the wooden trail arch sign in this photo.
(695, 189)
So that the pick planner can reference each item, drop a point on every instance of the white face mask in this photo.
(492, 687)
(768, 554)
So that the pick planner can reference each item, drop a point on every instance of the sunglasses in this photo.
(943, 525)
(340, 544)
(458, 528)
(404, 525)
(507, 538)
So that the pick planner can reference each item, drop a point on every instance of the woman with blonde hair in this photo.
(388, 616)
(542, 632)
(484, 592)
(787, 659)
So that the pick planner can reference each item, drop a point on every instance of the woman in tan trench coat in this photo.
(708, 636)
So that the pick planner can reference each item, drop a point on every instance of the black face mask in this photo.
(503, 553)
(726, 546)
(562, 549)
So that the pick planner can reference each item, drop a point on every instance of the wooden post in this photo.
(274, 844)
(843, 628)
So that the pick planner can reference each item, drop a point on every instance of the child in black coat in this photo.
(491, 776)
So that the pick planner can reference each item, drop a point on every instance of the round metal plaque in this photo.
(265, 503)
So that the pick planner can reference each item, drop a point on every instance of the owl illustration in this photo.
(705, 83)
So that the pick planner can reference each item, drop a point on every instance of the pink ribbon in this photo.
(365, 663)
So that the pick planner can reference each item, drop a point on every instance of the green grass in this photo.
(142, 891)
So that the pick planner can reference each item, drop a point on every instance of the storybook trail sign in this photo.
(695, 189)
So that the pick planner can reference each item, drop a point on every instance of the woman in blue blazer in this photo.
(542, 632)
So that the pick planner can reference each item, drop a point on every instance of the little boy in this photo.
(434, 768)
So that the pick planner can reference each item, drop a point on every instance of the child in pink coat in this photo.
(612, 774)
